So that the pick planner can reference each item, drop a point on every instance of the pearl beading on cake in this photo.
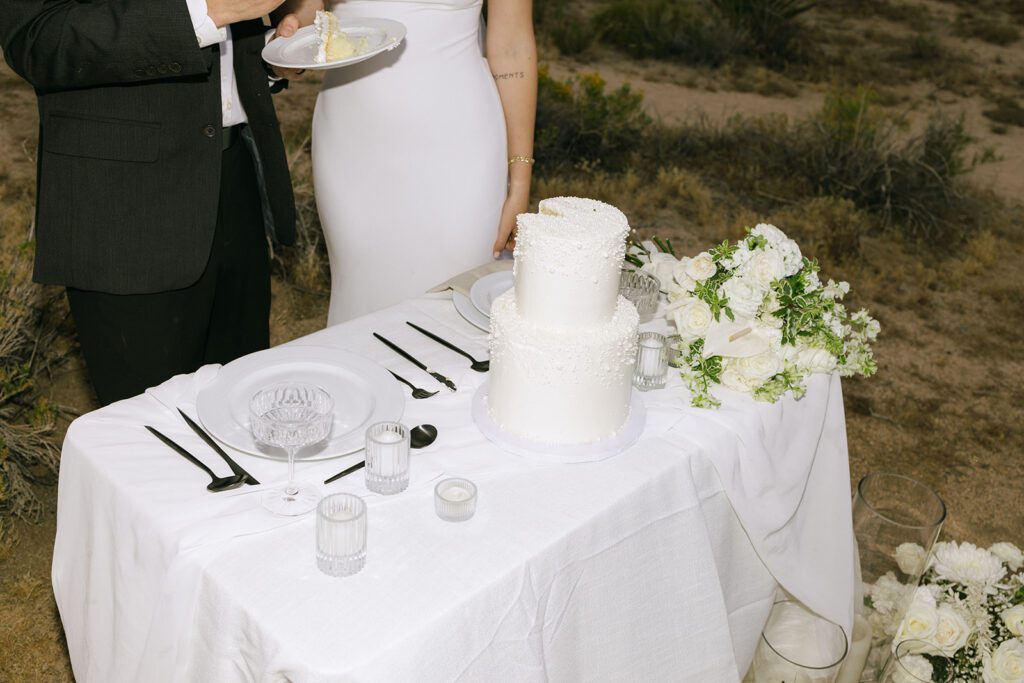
(574, 247)
(561, 385)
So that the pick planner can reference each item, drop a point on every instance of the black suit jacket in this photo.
(130, 139)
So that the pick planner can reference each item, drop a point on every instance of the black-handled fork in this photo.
(417, 392)
(478, 365)
(409, 357)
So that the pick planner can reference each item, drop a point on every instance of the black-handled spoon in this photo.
(216, 484)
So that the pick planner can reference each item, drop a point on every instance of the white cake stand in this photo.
(561, 453)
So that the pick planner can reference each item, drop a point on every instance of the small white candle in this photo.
(456, 494)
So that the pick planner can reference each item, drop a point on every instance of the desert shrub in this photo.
(579, 124)
(770, 28)
(828, 227)
(666, 29)
(28, 453)
(1006, 111)
(570, 31)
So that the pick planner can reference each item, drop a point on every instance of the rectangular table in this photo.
(660, 563)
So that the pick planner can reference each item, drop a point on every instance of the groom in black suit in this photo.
(161, 177)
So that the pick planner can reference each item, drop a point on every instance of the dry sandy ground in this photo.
(945, 406)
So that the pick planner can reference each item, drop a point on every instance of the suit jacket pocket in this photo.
(101, 138)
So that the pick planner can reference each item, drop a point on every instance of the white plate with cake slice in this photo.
(326, 45)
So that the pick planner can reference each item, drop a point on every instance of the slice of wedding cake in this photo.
(563, 342)
(331, 42)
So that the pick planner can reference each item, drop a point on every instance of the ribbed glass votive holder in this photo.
(455, 499)
(651, 361)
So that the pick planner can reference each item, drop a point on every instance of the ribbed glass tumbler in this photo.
(896, 521)
(341, 534)
(387, 458)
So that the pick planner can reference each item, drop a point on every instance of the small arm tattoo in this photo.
(509, 75)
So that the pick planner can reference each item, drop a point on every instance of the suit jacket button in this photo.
(151, 71)
(162, 69)
(175, 68)
(140, 71)
(209, 131)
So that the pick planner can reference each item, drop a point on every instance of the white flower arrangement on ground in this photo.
(968, 611)
(754, 317)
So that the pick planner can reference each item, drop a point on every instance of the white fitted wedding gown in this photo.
(409, 157)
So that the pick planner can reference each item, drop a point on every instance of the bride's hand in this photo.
(286, 28)
(517, 202)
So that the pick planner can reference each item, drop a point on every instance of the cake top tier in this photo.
(568, 260)
(587, 228)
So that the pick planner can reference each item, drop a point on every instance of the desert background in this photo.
(886, 136)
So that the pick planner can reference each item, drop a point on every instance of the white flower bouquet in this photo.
(754, 317)
(968, 611)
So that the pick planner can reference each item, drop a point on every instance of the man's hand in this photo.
(224, 12)
(287, 27)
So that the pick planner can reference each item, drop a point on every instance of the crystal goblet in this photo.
(291, 416)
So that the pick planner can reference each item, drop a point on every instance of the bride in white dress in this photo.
(422, 155)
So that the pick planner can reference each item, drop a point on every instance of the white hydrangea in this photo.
(913, 669)
(967, 564)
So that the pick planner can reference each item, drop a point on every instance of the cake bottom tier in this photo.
(560, 385)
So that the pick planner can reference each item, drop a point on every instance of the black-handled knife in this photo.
(358, 466)
(404, 354)
(235, 467)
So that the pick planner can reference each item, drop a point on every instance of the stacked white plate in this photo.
(476, 308)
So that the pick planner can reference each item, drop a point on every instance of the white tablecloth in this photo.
(657, 564)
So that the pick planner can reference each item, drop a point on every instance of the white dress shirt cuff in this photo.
(207, 33)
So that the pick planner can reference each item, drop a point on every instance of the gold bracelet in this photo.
(525, 160)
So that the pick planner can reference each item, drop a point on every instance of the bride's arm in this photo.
(512, 55)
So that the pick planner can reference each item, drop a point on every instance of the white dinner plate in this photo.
(363, 393)
(299, 51)
(468, 311)
(488, 288)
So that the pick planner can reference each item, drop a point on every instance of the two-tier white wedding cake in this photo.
(563, 342)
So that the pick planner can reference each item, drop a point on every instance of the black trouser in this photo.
(131, 342)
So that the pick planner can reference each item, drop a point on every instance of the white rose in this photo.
(661, 266)
(693, 319)
(912, 669)
(1009, 554)
(701, 267)
(951, 632)
(910, 558)
(921, 619)
(1006, 664)
(772, 234)
(680, 276)
(744, 296)
(760, 368)
(765, 267)
(815, 360)
(1014, 619)
(677, 293)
